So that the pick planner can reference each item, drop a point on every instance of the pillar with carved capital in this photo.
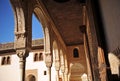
(22, 54)
(48, 61)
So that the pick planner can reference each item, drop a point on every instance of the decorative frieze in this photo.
(22, 53)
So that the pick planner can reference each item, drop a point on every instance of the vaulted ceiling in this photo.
(68, 17)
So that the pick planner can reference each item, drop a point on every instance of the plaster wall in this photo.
(36, 68)
(110, 18)
(77, 66)
(10, 72)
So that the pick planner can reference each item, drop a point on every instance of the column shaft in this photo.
(66, 77)
(63, 78)
(22, 69)
(57, 75)
(49, 73)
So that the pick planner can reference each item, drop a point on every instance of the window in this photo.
(3, 61)
(75, 53)
(45, 73)
(38, 57)
(6, 60)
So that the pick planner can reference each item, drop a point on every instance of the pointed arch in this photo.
(41, 15)
(18, 15)
(23, 26)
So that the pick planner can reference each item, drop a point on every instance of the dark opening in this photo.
(75, 53)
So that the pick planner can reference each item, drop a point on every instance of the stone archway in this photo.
(31, 78)
(42, 16)
(76, 71)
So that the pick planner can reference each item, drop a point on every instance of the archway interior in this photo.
(31, 78)
(37, 30)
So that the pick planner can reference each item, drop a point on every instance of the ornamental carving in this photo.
(48, 59)
(22, 53)
(20, 41)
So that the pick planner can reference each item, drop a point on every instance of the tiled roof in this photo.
(7, 46)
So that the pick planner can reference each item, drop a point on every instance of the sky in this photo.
(7, 23)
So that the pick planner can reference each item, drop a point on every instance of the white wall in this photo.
(11, 72)
(39, 65)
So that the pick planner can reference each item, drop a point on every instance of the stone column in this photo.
(48, 61)
(63, 71)
(66, 76)
(49, 73)
(66, 73)
(23, 31)
(57, 67)
(57, 75)
(22, 54)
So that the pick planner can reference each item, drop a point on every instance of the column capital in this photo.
(48, 59)
(57, 65)
(22, 53)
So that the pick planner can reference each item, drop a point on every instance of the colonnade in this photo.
(58, 67)
(23, 10)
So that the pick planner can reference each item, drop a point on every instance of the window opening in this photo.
(45, 72)
(5, 60)
(36, 57)
(40, 56)
(75, 53)
(8, 60)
